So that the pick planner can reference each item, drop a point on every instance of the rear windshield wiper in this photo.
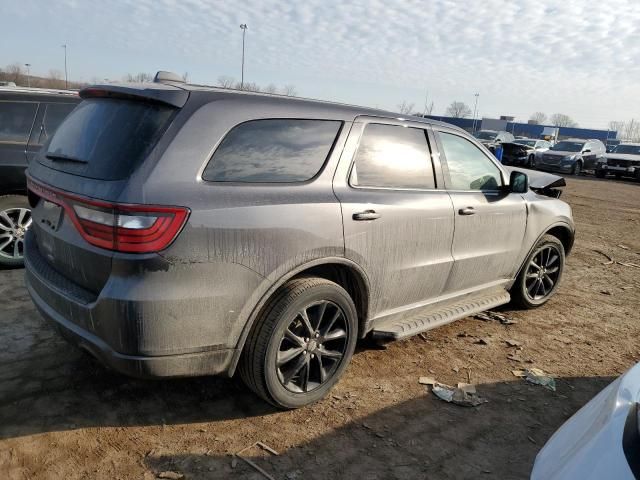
(64, 158)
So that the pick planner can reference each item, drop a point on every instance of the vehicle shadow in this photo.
(420, 438)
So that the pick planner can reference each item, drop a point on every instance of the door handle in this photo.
(366, 215)
(467, 211)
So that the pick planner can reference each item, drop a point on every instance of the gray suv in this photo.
(572, 156)
(180, 230)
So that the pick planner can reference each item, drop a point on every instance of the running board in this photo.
(441, 314)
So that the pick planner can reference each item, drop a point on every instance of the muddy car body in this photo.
(268, 233)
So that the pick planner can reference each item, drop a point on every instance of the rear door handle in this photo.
(467, 211)
(366, 215)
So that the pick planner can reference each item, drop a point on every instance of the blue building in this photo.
(529, 130)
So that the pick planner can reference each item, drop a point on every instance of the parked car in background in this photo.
(612, 144)
(623, 161)
(28, 117)
(492, 138)
(201, 230)
(572, 156)
(602, 440)
(522, 151)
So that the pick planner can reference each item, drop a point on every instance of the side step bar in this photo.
(441, 314)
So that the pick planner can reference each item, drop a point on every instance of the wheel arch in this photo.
(340, 270)
(562, 231)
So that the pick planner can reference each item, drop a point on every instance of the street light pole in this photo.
(28, 65)
(475, 110)
(244, 31)
(66, 76)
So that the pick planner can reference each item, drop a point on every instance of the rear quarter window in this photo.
(16, 120)
(106, 139)
(273, 151)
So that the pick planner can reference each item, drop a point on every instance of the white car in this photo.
(601, 441)
(623, 161)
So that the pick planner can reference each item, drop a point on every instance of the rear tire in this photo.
(540, 274)
(291, 362)
(15, 219)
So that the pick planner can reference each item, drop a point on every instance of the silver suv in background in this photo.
(181, 230)
(572, 156)
(623, 161)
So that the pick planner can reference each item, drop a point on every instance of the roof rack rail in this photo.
(164, 77)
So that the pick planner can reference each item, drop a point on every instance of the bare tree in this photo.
(562, 120)
(15, 73)
(138, 78)
(185, 77)
(538, 118)
(289, 91)
(631, 132)
(271, 88)
(617, 126)
(458, 110)
(225, 81)
(405, 108)
(55, 79)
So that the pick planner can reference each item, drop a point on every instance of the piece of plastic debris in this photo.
(624, 247)
(537, 377)
(489, 316)
(464, 394)
(609, 258)
(426, 381)
(169, 475)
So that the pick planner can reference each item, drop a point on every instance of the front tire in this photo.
(577, 168)
(301, 343)
(15, 219)
(540, 275)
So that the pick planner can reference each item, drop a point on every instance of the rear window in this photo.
(16, 119)
(273, 151)
(106, 138)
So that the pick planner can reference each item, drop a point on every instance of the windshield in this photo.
(568, 147)
(528, 143)
(627, 149)
(483, 135)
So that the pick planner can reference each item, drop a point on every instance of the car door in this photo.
(489, 222)
(589, 156)
(398, 221)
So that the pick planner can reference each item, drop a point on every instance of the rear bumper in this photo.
(194, 364)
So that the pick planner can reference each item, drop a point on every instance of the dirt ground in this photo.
(64, 416)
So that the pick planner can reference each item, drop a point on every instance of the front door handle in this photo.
(366, 215)
(467, 211)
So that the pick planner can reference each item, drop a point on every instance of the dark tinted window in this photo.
(277, 150)
(54, 114)
(16, 119)
(106, 138)
(393, 157)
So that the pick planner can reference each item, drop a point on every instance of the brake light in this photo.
(116, 226)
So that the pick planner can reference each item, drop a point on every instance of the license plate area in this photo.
(50, 215)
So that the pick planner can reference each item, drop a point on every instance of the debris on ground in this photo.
(628, 264)
(624, 247)
(537, 377)
(490, 316)
(169, 475)
(238, 455)
(605, 292)
(513, 343)
(610, 259)
(426, 381)
(464, 394)
(482, 341)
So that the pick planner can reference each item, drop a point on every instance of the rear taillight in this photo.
(115, 226)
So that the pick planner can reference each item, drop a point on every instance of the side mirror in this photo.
(518, 182)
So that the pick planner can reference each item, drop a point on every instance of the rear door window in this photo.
(54, 114)
(273, 151)
(106, 139)
(391, 156)
(16, 120)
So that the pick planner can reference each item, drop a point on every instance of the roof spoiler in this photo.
(158, 93)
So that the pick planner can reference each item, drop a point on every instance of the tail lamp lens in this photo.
(118, 227)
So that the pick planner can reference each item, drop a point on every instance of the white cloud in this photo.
(574, 56)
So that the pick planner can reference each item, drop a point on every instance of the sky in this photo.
(578, 57)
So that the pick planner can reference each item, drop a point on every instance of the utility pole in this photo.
(244, 31)
(475, 110)
(28, 65)
(66, 76)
